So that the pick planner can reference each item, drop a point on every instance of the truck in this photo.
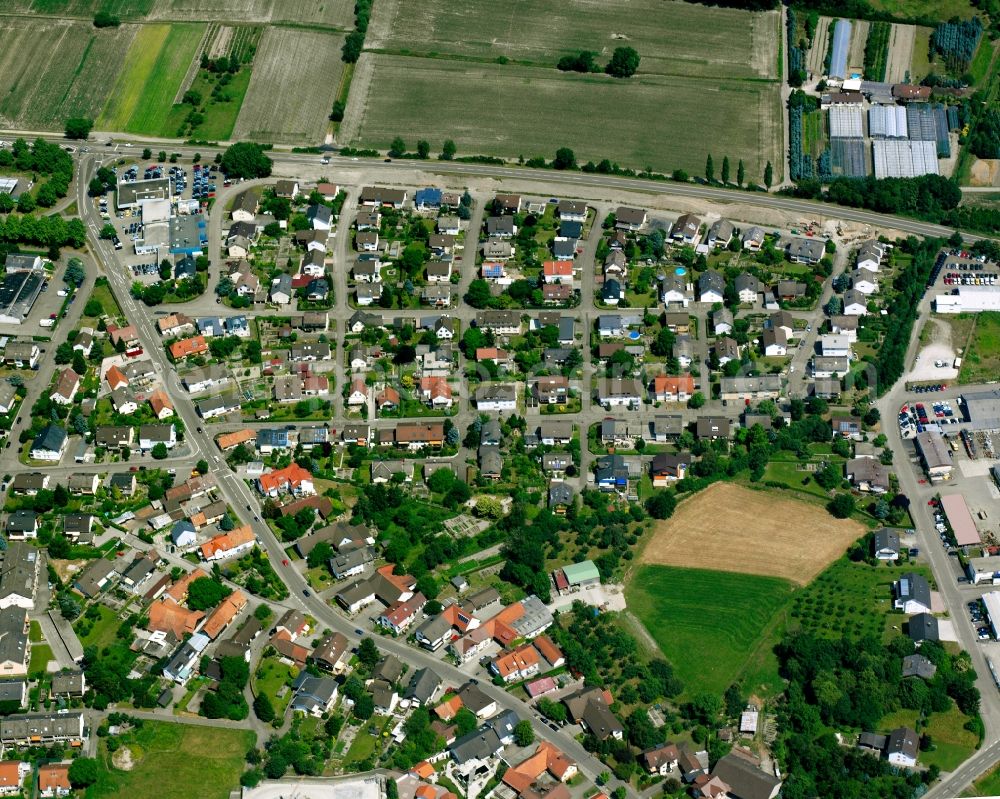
(958, 363)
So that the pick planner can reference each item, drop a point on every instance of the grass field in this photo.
(987, 785)
(732, 528)
(509, 111)
(285, 101)
(981, 360)
(741, 615)
(787, 473)
(814, 133)
(673, 38)
(155, 65)
(176, 761)
(103, 631)
(941, 10)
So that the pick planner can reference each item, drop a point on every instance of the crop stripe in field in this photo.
(140, 60)
(76, 73)
(194, 66)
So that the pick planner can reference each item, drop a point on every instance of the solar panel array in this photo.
(847, 122)
(887, 122)
(894, 158)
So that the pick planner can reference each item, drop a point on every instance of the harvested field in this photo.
(856, 53)
(673, 38)
(53, 69)
(900, 52)
(286, 103)
(507, 110)
(333, 13)
(155, 67)
(728, 527)
(817, 53)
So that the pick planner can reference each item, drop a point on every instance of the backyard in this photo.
(952, 743)
(269, 679)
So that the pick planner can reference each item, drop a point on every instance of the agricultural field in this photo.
(735, 529)
(742, 615)
(285, 101)
(53, 69)
(920, 65)
(672, 38)
(331, 13)
(940, 10)
(900, 57)
(981, 359)
(156, 63)
(125, 9)
(507, 110)
(173, 761)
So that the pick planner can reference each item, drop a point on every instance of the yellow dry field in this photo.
(730, 528)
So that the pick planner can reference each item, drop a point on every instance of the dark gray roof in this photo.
(744, 777)
(915, 588)
(923, 627)
(918, 666)
(905, 741)
(423, 684)
(886, 539)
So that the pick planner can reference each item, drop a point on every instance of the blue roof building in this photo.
(427, 198)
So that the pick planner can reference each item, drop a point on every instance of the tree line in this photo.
(623, 64)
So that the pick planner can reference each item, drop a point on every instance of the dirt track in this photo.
(731, 528)
(900, 52)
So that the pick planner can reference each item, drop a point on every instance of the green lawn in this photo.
(270, 676)
(952, 743)
(102, 293)
(35, 633)
(41, 654)
(786, 472)
(176, 761)
(987, 785)
(714, 627)
(981, 360)
(103, 631)
(941, 10)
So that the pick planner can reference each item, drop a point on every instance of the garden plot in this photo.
(291, 95)
(900, 52)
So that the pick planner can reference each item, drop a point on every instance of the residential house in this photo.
(720, 234)
(590, 707)
(66, 387)
(886, 544)
(753, 239)
(711, 287)
(868, 474)
(631, 219)
(666, 468)
(673, 389)
(912, 594)
(855, 303)
(49, 444)
(722, 321)
(903, 747)
(805, 251)
(774, 342)
(613, 392)
(685, 229)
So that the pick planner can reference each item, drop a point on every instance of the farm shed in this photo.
(841, 46)
(904, 159)
(846, 122)
(887, 122)
(582, 574)
(960, 520)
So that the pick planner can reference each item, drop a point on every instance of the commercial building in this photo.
(935, 454)
(983, 570)
(960, 519)
(991, 599)
(982, 409)
(18, 292)
(969, 299)
(133, 195)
